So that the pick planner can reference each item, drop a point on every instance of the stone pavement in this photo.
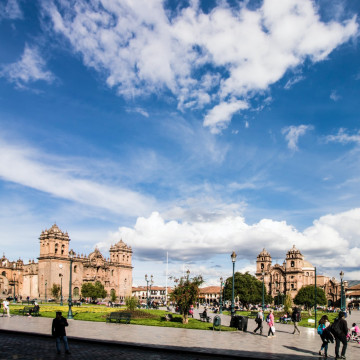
(227, 344)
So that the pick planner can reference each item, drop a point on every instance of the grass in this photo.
(98, 313)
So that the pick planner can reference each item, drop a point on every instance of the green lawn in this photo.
(139, 317)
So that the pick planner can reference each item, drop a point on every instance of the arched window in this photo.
(262, 266)
(292, 263)
(75, 268)
(56, 248)
(62, 249)
(112, 272)
(3, 273)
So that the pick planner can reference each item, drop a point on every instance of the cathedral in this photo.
(292, 275)
(36, 279)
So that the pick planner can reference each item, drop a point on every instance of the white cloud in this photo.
(25, 166)
(331, 242)
(10, 10)
(344, 138)
(292, 134)
(220, 115)
(209, 60)
(334, 96)
(30, 68)
(289, 84)
(139, 110)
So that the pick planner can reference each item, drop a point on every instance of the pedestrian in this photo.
(349, 309)
(59, 333)
(324, 334)
(296, 318)
(340, 329)
(259, 320)
(271, 322)
(6, 308)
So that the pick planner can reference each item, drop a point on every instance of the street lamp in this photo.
(233, 259)
(71, 256)
(14, 301)
(147, 291)
(61, 296)
(151, 283)
(263, 291)
(221, 285)
(342, 292)
(45, 291)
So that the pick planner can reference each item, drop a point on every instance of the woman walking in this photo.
(322, 331)
(271, 322)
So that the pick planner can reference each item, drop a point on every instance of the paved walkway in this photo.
(283, 346)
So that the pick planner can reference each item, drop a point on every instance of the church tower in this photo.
(263, 262)
(53, 260)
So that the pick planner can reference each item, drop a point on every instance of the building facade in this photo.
(294, 273)
(53, 267)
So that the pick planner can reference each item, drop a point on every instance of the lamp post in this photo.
(147, 291)
(233, 259)
(221, 286)
(61, 296)
(342, 292)
(45, 291)
(14, 301)
(263, 291)
(71, 257)
(151, 283)
(315, 301)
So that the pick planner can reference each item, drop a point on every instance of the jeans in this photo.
(324, 345)
(295, 327)
(339, 339)
(270, 331)
(259, 326)
(64, 339)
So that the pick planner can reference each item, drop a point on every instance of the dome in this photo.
(264, 253)
(308, 265)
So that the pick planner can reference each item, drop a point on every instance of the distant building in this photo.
(156, 294)
(209, 294)
(292, 275)
(36, 279)
(353, 295)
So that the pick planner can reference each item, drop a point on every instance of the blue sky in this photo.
(190, 127)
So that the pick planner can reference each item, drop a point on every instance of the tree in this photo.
(94, 291)
(131, 302)
(247, 288)
(306, 297)
(55, 291)
(288, 303)
(113, 295)
(186, 293)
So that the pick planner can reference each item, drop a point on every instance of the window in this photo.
(75, 268)
(3, 273)
(292, 263)
(56, 248)
(112, 272)
(262, 266)
(76, 292)
(292, 286)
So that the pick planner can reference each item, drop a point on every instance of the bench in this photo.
(31, 310)
(204, 317)
(118, 316)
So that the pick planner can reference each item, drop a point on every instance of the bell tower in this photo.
(263, 263)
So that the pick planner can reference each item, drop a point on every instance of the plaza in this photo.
(184, 341)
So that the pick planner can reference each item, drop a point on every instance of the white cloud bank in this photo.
(331, 242)
(25, 166)
(31, 67)
(212, 61)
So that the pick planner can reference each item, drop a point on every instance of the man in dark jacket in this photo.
(59, 333)
(296, 318)
(340, 330)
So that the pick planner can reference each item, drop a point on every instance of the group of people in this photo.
(337, 332)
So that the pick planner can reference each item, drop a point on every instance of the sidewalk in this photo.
(240, 344)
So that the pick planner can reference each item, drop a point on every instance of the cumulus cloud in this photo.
(343, 137)
(211, 61)
(292, 134)
(28, 167)
(30, 68)
(10, 10)
(327, 243)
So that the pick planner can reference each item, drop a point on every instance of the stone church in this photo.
(36, 279)
(292, 275)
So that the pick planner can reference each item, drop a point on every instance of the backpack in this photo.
(335, 328)
(320, 329)
(268, 318)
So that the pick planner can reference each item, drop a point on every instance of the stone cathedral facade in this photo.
(294, 273)
(53, 267)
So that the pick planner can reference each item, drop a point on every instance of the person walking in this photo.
(324, 324)
(6, 307)
(340, 329)
(271, 322)
(59, 333)
(259, 320)
(296, 318)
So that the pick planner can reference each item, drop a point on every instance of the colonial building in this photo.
(210, 294)
(155, 293)
(292, 275)
(36, 279)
